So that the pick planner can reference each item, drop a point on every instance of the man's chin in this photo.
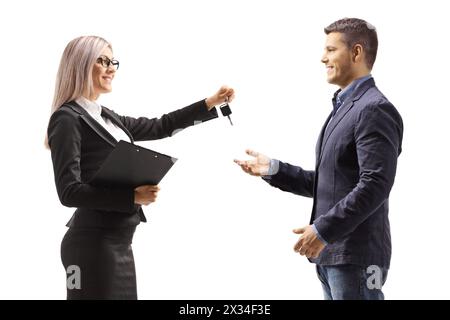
(331, 80)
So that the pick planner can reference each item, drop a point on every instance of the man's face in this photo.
(338, 60)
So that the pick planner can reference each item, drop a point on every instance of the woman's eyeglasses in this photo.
(106, 62)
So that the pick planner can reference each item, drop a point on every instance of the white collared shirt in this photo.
(95, 111)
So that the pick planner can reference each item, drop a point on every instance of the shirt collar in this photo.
(92, 107)
(343, 94)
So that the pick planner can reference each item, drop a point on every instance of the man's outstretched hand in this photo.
(258, 166)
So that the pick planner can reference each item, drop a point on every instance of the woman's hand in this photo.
(144, 195)
(225, 93)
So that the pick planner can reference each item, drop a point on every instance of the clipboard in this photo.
(129, 165)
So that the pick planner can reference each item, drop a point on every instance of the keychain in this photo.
(226, 111)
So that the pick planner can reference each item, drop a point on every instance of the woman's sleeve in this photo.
(64, 136)
(157, 128)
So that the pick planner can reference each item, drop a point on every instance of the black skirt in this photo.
(99, 263)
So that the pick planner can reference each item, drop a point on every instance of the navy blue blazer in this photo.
(356, 161)
(79, 145)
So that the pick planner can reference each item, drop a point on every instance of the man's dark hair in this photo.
(357, 31)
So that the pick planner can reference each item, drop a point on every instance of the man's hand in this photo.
(259, 166)
(224, 94)
(309, 244)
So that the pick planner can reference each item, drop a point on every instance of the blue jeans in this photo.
(352, 282)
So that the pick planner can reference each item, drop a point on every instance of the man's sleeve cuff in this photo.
(318, 234)
(274, 166)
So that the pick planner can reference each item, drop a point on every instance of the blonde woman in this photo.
(81, 134)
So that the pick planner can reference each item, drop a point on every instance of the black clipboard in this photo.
(129, 165)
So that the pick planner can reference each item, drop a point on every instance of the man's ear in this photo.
(357, 53)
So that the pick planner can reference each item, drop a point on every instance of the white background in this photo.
(216, 233)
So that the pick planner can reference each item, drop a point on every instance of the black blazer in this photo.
(79, 145)
(356, 161)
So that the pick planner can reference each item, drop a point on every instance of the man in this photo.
(356, 157)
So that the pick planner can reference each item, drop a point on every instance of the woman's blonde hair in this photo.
(74, 77)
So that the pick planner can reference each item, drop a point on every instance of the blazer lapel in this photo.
(108, 114)
(335, 121)
(343, 110)
(320, 139)
(91, 122)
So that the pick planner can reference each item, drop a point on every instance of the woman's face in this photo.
(102, 76)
